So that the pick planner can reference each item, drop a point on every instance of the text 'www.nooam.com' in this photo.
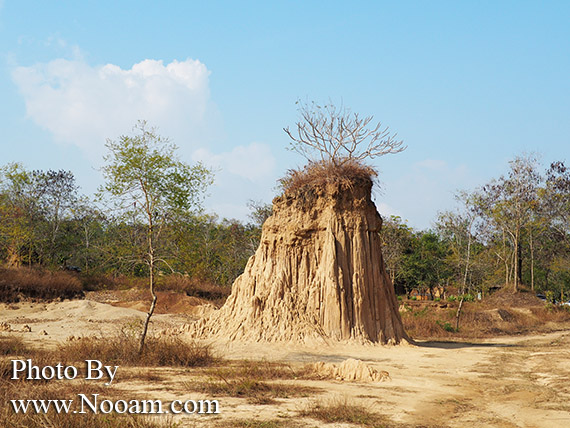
(92, 404)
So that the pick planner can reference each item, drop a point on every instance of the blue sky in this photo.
(466, 85)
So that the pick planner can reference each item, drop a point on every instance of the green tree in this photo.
(508, 203)
(424, 264)
(56, 197)
(553, 239)
(396, 238)
(459, 229)
(557, 196)
(34, 207)
(88, 227)
(148, 183)
(212, 250)
(15, 213)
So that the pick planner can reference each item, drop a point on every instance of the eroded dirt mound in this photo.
(318, 274)
(169, 302)
(350, 370)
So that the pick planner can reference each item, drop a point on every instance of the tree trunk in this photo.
(506, 260)
(512, 266)
(86, 230)
(13, 259)
(516, 262)
(148, 316)
(468, 257)
(520, 263)
(458, 314)
(531, 262)
(151, 264)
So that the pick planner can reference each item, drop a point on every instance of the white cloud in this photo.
(254, 162)
(83, 105)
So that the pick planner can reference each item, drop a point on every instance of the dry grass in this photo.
(254, 390)
(497, 316)
(246, 423)
(11, 345)
(423, 321)
(16, 284)
(340, 410)
(249, 379)
(66, 390)
(142, 375)
(324, 172)
(123, 349)
(264, 370)
(195, 287)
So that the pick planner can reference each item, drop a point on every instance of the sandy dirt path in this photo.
(507, 382)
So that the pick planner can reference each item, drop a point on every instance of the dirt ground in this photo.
(521, 381)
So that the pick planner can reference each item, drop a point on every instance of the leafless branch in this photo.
(330, 133)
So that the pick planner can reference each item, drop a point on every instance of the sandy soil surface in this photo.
(521, 381)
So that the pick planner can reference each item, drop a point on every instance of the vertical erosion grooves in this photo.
(318, 274)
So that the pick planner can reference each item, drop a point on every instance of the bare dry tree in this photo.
(338, 135)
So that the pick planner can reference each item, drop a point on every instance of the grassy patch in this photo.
(273, 423)
(120, 349)
(340, 410)
(256, 391)
(264, 370)
(141, 375)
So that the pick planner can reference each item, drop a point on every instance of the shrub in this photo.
(446, 326)
(37, 284)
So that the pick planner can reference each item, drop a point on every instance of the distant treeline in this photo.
(45, 221)
(513, 231)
